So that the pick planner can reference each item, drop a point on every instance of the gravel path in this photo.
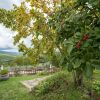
(30, 84)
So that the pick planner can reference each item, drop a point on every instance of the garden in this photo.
(60, 87)
(65, 33)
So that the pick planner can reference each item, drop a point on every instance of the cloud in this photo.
(5, 4)
(10, 50)
(6, 37)
(8, 4)
(17, 2)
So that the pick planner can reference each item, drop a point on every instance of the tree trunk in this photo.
(78, 77)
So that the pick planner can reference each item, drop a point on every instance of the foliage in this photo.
(77, 29)
(7, 18)
(43, 73)
(96, 86)
(51, 84)
(69, 27)
(4, 72)
(22, 60)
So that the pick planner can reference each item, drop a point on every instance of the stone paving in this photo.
(30, 84)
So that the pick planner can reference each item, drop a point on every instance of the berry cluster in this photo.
(85, 37)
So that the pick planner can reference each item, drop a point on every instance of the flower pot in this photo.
(4, 77)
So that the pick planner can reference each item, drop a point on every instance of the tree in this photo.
(21, 61)
(69, 27)
(78, 27)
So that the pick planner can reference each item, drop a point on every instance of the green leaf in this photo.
(78, 35)
(85, 44)
(69, 48)
(77, 63)
(70, 67)
(89, 70)
(37, 34)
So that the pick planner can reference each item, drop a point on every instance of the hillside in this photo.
(6, 56)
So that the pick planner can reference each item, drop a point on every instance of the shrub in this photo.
(96, 87)
(3, 72)
(53, 83)
(16, 72)
(42, 73)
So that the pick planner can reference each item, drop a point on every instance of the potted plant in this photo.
(4, 74)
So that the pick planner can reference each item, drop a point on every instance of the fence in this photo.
(30, 71)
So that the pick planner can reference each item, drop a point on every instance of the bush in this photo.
(96, 87)
(42, 73)
(3, 72)
(53, 83)
(16, 72)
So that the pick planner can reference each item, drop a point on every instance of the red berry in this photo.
(85, 37)
(79, 44)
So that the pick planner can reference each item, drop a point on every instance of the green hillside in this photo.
(6, 57)
(10, 59)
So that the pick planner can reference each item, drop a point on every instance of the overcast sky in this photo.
(6, 40)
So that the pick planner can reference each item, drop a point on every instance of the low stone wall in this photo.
(31, 71)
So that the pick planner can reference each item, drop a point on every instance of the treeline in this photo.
(17, 61)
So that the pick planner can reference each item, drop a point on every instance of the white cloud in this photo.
(6, 37)
(5, 4)
(8, 4)
(10, 50)
(17, 2)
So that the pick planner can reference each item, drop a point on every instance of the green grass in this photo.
(12, 89)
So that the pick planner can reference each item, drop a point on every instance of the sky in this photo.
(6, 35)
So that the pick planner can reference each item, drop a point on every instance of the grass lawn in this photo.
(12, 89)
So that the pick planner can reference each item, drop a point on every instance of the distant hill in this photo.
(8, 56)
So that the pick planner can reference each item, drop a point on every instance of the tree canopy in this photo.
(68, 27)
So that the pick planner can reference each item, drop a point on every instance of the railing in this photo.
(30, 71)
